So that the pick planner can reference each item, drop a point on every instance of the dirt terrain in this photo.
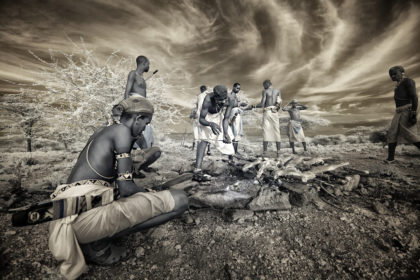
(369, 232)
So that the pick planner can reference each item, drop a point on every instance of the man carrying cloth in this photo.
(403, 127)
(294, 128)
(270, 102)
(212, 118)
(87, 217)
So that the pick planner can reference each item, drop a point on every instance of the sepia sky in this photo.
(333, 55)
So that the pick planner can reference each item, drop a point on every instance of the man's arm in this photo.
(263, 99)
(130, 82)
(302, 107)
(412, 94)
(226, 137)
(204, 111)
(125, 181)
(259, 105)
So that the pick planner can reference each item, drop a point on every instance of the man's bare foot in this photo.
(108, 255)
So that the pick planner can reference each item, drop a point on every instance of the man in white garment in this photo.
(214, 117)
(270, 102)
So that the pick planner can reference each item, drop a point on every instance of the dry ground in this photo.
(371, 233)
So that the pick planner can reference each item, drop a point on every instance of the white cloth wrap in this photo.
(237, 123)
(196, 129)
(100, 222)
(206, 134)
(271, 125)
(295, 131)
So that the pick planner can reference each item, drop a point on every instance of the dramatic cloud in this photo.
(333, 55)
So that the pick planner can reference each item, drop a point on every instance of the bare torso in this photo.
(138, 86)
(97, 159)
(233, 99)
(294, 114)
(270, 96)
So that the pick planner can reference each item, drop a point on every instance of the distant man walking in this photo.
(403, 127)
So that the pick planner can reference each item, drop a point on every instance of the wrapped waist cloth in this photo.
(295, 131)
(196, 129)
(271, 125)
(99, 222)
(400, 130)
(235, 120)
(206, 134)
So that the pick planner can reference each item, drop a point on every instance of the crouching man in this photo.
(88, 216)
(214, 118)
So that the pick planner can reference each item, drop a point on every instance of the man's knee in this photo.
(152, 154)
(181, 200)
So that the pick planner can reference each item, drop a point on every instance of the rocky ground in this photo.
(323, 230)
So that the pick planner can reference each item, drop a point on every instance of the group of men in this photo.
(100, 200)
(217, 119)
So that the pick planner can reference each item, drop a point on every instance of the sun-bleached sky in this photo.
(333, 55)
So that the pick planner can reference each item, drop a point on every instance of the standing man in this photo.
(270, 102)
(195, 127)
(294, 128)
(235, 118)
(403, 126)
(212, 117)
(198, 105)
(136, 86)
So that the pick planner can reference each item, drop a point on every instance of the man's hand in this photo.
(215, 128)
(226, 139)
(412, 120)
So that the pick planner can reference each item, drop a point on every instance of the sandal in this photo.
(109, 255)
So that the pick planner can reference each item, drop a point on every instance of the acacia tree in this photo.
(80, 91)
(25, 113)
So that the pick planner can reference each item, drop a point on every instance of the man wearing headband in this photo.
(294, 128)
(213, 118)
(93, 212)
(270, 102)
(404, 128)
